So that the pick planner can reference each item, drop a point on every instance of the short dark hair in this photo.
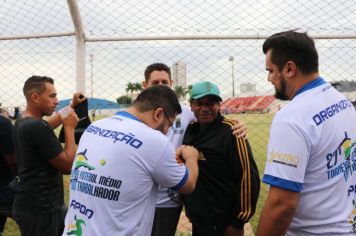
(35, 84)
(293, 46)
(156, 66)
(158, 96)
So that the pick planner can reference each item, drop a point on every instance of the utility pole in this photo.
(231, 59)
(91, 75)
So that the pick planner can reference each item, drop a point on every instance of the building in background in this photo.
(179, 74)
(348, 88)
(247, 89)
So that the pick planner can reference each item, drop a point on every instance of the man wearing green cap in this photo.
(228, 185)
(169, 203)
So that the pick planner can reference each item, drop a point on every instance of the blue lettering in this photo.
(116, 136)
(136, 143)
(323, 115)
(127, 138)
(334, 109)
(352, 188)
(317, 119)
(82, 209)
(331, 111)
(113, 134)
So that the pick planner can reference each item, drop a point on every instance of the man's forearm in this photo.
(192, 166)
(54, 121)
(277, 213)
(193, 169)
(69, 146)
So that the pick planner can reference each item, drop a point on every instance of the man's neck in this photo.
(32, 112)
(301, 81)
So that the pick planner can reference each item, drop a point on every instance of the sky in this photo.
(115, 64)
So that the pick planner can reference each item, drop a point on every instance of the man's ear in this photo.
(157, 113)
(35, 97)
(144, 84)
(290, 68)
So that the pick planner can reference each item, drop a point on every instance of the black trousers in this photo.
(7, 195)
(165, 221)
(208, 230)
(44, 224)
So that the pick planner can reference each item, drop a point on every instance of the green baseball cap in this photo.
(205, 88)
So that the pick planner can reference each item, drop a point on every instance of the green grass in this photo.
(183, 234)
(258, 131)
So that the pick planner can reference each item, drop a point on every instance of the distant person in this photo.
(93, 114)
(4, 113)
(41, 160)
(7, 168)
(311, 151)
(121, 160)
(16, 113)
(228, 184)
(169, 202)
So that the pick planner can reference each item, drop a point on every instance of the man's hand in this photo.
(68, 117)
(240, 130)
(188, 153)
(77, 99)
(55, 120)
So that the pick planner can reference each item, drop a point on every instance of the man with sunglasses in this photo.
(120, 162)
(228, 184)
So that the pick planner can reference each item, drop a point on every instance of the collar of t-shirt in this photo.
(312, 84)
(128, 115)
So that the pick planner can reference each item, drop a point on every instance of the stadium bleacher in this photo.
(253, 104)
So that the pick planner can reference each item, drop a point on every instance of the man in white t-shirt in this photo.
(120, 162)
(311, 153)
(169, 202)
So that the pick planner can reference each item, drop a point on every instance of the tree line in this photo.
(136, 87)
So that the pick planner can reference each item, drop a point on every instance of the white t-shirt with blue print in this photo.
(115, 176)
(167, 198)
(311, 150)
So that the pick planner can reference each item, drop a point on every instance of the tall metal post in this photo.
(91, 75)
(231, 59)
(80, 48)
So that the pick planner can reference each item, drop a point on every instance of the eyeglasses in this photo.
(167, 117)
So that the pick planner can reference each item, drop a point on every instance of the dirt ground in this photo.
(184, 226)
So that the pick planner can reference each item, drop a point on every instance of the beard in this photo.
(160, 127)
(281, 94)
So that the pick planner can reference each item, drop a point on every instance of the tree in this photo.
(182, 91)
(137, 87)
(130, 87)
(133, 87)
(189, 88)
(124, 100)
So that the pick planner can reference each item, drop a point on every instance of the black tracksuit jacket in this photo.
(228, 184)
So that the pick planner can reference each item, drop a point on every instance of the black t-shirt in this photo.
(41, 185)
(6, 147)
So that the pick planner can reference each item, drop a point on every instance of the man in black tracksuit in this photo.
(228, 184)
